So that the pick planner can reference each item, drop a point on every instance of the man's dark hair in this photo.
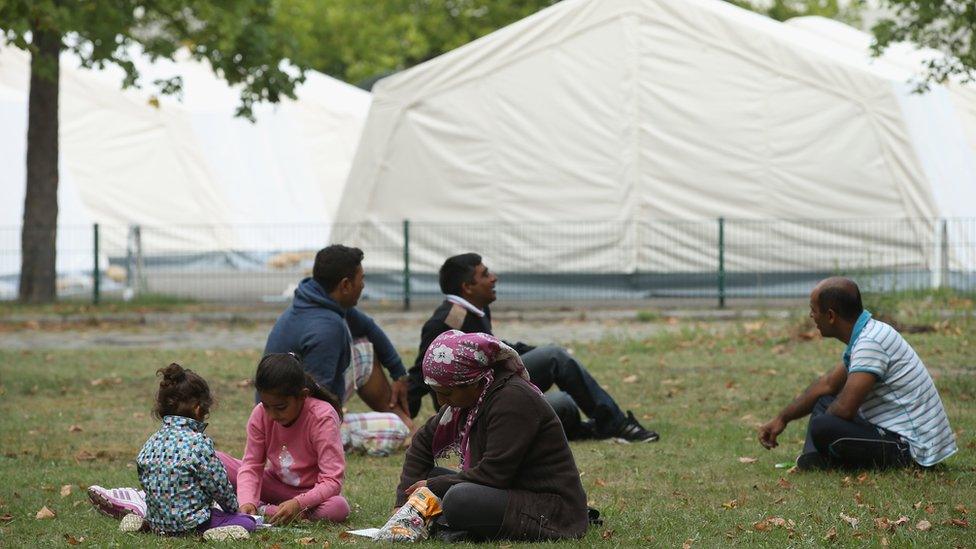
(457, 270)
(334, 263)
(843, 296)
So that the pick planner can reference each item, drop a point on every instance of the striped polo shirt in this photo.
(904, 399)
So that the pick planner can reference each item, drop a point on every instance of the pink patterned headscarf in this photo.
(455, 358)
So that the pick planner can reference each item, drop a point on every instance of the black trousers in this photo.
(855, 444)
(472, 508)
(552, 365)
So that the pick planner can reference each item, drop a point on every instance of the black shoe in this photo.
(812, 461)
(633, 431)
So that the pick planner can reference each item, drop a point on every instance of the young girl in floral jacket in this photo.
(179, 469)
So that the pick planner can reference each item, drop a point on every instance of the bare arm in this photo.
(830, 383)
(851, 397)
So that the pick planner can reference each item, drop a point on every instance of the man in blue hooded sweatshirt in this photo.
(336, 341)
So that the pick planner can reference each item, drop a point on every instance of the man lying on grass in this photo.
(878, 408)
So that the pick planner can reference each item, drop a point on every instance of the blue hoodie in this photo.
(317, 329)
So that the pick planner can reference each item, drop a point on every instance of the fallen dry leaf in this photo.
(753, 326)
(74, 429)
(768, 523)
(6, 517)
(687, 544)
(849, 520)
(962, 523)
(747, 460)
(305, 541)
(923, 525)
(44, 513)
(862, 478)
(962, 509)
(857, 498)
(785, 484)
(831, 534)
(244, 383)
(66, 490)
(882, 523)
(630, 379)
(600, 482)
(84, 455)
(930, 509)
(731, 504)
(901, 520)
(73, 540)
(917, 505)
(607, 534)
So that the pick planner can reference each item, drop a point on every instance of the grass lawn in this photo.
(76, 418)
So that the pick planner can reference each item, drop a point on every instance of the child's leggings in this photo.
(274, 492)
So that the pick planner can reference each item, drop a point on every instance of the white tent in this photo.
(194, 177)
(959, 99)
(638, 111)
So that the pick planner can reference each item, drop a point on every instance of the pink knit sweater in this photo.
(307, 454)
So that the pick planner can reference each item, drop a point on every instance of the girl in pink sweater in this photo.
(295, 431)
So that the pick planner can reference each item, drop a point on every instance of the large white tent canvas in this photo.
(957, 100)
(196, 178)
(637, 111)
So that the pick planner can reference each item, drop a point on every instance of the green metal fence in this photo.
(612, 261)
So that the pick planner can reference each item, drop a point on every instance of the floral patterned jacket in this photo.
(182, 477)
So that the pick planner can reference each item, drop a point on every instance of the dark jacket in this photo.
(316, 328)
(517, 444)
(447, 316)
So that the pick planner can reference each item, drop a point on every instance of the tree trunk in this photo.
(40, 229)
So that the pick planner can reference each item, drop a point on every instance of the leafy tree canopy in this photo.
(359, 40)
(240, 39)
(947, 26)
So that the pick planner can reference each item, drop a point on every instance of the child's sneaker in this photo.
(222, 533)
(118, 502)
(131, 523)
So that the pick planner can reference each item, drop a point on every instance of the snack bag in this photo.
(410, 522)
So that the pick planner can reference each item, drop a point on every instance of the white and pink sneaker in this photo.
(118, 502)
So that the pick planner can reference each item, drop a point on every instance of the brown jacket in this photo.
(517, 444)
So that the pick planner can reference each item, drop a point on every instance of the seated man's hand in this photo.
(398, 401)
(769, 432)
(248, 509)
(287, 512)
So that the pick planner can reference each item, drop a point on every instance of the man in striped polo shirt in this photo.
(879, 407)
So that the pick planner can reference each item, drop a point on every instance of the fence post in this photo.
(944, 256)
(406, 264)
(721, 263)
(96, 274)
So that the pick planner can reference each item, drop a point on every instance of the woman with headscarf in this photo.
(517, 478)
